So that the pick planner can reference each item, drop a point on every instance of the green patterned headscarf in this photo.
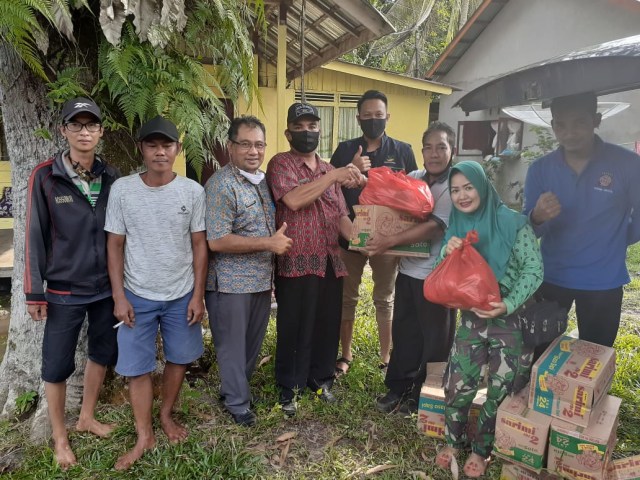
(496, 224)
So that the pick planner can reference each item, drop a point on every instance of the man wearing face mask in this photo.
(309, 276)
(373, 149)
(241, 233)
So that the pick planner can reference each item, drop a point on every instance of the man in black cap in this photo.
(66, 247)
(157, 264)
(309, 276)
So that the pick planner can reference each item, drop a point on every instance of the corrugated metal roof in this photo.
(471, 30)
(332, 28)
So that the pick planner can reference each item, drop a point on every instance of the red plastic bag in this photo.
(463, 280)
(397, 190)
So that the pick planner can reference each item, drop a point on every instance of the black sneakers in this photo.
(389, 402)
(246, 418)
(408, 407)
(289, 408)
(324, 394)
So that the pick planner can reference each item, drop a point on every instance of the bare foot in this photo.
(94, 426)
(475, 466)
(64, 455)
(445, 456)
(173, 430)
(129, 458)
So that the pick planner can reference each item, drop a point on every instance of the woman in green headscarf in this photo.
(487, 337)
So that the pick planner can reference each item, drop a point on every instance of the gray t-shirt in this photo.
(417, 267)
(157, 223)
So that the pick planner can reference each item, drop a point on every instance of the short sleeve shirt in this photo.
(313, 229)
(236, 206)
(158, 223)
(417, 267)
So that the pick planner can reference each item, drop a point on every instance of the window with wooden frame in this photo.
(338, 120)
(479, 138)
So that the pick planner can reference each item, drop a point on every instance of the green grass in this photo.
(339, 441)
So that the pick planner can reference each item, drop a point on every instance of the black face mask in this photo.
(373, 127)
(304, 141)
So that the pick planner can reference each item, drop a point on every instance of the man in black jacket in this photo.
(66, 247)
(373, 149)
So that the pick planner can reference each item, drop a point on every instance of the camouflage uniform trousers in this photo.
(497, 343)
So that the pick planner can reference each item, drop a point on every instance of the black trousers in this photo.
(422, 332)
(308, 331)
(597, 311)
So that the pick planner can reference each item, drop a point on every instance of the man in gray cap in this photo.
(157, 264)
(308, 199)
(66, 247)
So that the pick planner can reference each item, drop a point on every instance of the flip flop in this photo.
(340, 370)
(479, 467)
(446, 456)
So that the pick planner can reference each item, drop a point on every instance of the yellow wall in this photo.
(5, 181)
(409, 108)
(268, 113)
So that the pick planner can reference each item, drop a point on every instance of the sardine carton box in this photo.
(624, 469)
(570, 378)
(372, 219)
(583, 453)
(512, 471)
(521, 433)
(431, 406)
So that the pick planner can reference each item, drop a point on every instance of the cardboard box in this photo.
(624, 469)
(583, 453)
(431, 406)
(372, 219)
(511, 471)
(570, 378)
(521, 433)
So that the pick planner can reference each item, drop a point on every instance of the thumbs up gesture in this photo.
(362, 162)
(279, 243)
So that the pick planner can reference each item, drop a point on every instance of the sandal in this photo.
(445, 457)
(342, 370)
(476, 466)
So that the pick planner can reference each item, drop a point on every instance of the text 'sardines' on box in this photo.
(373, 219)
(521, 433)
(583, 453)
(570, 378)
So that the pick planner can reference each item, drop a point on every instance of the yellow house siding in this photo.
(408, 106)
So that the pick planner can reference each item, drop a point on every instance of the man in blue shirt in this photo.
(581, 200)
(373, 149)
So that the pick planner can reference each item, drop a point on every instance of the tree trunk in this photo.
(24, 108)
(464, 13)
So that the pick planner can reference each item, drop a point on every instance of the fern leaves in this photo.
(151, 57)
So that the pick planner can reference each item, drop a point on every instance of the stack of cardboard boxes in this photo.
(565, 421)
(563, 425)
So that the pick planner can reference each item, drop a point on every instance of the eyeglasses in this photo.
(246, 146)
(76, 127)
